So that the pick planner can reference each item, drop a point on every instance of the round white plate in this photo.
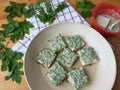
(102, 74)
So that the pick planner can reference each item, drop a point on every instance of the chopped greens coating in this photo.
(57, 43)
(75, 42)
(56, 73)
(67, 57)
(88, 56)
(78, 78)
(45, 57)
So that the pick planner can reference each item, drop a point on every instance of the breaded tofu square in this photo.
(78, 78)
(45, 57)
(88, 56)
(57, 43)
(75, 42)
(56, 73)
(67, 57)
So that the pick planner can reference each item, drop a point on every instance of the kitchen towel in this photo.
(69, 14)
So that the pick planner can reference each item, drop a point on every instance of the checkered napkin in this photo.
(67, 15)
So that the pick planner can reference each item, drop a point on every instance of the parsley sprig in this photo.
(49, 14)
(60, 7)
(44, 14)
(9, 59)
(85, 7)
(16, 30)
(14, 9)
(29, 12)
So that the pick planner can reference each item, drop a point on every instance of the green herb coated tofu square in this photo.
(56, 73)
(88, 56)
(75, 42)
(78, 78)
(67, 57)
(45, 57)
(57, 43)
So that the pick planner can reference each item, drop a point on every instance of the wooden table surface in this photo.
(115, 41)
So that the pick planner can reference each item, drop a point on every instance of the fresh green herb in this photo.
(14, 9)
(9, 63)
(46, 14)
(60, 7)
(49, 14)
(8, 28)
(19, 32)
(29, 12)
(32, 9)
(43, 15)
(85, 4)
(86, 13)
(2, 39)
(16, 30)
(85, 7)
(1, 45)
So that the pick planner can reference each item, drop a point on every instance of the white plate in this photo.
(102, 74)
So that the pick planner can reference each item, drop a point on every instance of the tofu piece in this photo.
(67, 57)
(57, 43)
(75, 42)
(78, 78)
(45, 57)
(56, 73)
(88, 56)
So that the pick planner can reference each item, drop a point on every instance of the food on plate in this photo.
(88, 56)
(57, 43)
(64, 53)
(66, 57)
(78, 78)
(45, 57)
(56, 73)
(75, 42)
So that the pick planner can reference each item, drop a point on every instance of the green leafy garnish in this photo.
(60, 7)
(42, 16)
(49, 14)
(29, 12)
(86, 13)
(14, 9)
(85, 7)
(16, 30)
(85, 4)
(1, 45)
(31, 9)
(9, 63)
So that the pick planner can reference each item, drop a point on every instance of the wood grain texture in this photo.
(115, 41)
